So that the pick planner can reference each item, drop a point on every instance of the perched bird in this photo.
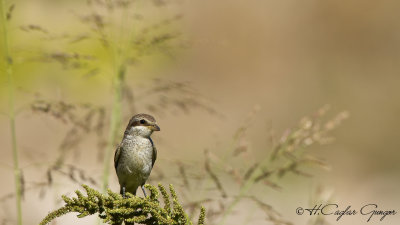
(135, 155)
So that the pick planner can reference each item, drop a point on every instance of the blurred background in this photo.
(200, 68)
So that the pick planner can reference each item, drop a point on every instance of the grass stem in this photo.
(115, 123)
(11, 90)
(119, 71)
(243, 191)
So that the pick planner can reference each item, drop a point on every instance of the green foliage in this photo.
(114, 209)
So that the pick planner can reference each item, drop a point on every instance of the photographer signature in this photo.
(370, 210)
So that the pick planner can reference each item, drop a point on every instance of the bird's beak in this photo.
(155, 127)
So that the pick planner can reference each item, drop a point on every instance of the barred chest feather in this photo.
(135, 162)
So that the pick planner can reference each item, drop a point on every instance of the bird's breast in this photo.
(137, 156)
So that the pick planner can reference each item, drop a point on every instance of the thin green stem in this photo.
(116, 112)
(119, 69)
(115, 117)
(11, 90)
(115, 123)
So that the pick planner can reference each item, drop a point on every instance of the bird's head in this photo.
(142, 125)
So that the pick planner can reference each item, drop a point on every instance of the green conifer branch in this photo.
(114, 209)
(202, 216)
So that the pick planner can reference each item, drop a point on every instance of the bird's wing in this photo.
(117, 155)
(154, 153)
(154, 156)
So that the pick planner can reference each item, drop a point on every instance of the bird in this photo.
(135, 156)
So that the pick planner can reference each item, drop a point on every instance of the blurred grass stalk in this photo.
(243, 190)
(119, 70)
(116, 116)
(11, 114)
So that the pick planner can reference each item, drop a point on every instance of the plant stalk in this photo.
(243, 190)
(11, 100)
(115, 123)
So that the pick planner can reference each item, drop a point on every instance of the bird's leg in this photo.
(144, 192)
(123, 191)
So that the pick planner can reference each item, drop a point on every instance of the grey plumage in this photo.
(136, 154)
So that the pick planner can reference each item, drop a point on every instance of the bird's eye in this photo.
(142, 121)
